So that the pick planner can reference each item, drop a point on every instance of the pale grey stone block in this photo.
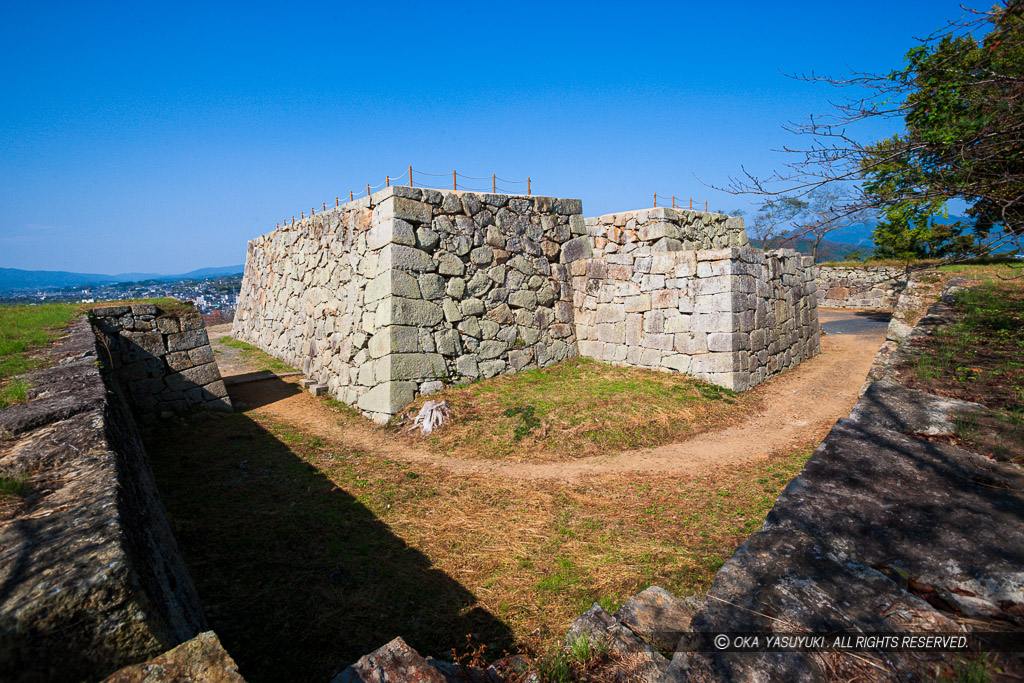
(431, 286)
(387, 398)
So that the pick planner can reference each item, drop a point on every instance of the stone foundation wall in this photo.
(664, 229)
(161, 359)
(91, 574)
(402, 291)
(872, 287)
(733, 317)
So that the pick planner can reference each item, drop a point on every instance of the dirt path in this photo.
(800, 407)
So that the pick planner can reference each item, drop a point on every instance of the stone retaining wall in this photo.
(91, 578)
(871, 287)
(888, 529)
(733, 317)
(665, 229)
(402, 292)
(161, 359)
(399, 292)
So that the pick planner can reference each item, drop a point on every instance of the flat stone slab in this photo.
(880, 532)
(318, 389)
(889, 405)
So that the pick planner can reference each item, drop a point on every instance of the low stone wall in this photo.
(162, 360)
(91, 578)
(399, 292)
(733, 317)
(870, 287)
(664, 229)
(886, 530)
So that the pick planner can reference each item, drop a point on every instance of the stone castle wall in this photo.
(872, 287)
(665, 229)
(733, 317)
(410, 289)
(407, 289)
(162, 360)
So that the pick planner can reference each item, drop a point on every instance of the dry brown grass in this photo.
(575, 409)
(310, 539)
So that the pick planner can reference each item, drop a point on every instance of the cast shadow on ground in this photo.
(297, 576)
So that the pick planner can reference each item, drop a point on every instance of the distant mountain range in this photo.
(15, 279)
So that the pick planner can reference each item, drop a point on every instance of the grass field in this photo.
(294, 540)
(577, 408)
(26, 329)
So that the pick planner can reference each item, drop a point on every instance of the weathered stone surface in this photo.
(657, 616)
(91, 573)
(389, 397)
(576, 249)
(415, 312)
(395, 662)
(406, 366)
(200, 660)
(644, 662)
(876, 519)
(185, 341)
(892, 406)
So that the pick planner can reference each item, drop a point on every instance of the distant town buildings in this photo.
(214, 296)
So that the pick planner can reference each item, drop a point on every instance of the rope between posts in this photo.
(407, 178)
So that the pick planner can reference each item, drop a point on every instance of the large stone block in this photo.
(404, 366)
(405, 209)
(655, 230)
(400, 311)
(576, 249)
(401, 257)
(186, 341)
(388, 398)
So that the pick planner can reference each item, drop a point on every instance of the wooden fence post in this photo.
(455, 185)
(410, 176)
(527, 186)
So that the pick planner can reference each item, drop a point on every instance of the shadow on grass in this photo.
(296, 576)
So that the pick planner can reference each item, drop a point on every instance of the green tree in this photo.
(960, 98)
(964, 139)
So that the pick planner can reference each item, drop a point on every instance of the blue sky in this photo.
(160, 137)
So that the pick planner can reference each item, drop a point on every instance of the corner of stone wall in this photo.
(161, 359)
(92, 576)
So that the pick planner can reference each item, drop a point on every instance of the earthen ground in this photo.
(800, 408)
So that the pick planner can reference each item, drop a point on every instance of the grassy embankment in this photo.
(980, 358)
(25, 332)
(575, 409)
